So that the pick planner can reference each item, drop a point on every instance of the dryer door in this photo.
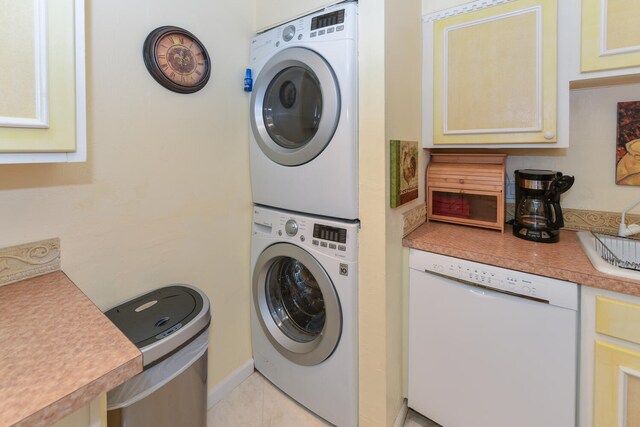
(296, 304)
(295, 106)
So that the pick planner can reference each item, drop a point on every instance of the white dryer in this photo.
(304, 118)
(304, 310)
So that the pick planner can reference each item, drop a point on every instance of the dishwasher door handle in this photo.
(475, 287)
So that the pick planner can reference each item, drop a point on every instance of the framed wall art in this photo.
(404, 172)
(628, 144)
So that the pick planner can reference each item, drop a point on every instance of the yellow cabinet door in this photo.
(39, 76)
(616, 400)
(610, 34)
(495, 75)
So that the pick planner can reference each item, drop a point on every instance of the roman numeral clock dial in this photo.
(176, 59)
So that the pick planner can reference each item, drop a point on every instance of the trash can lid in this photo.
(159, 315)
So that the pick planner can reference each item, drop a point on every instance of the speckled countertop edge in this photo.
(58, 351)
(564, 260)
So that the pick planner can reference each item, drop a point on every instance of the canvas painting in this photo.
(404, 172)
(628, 144)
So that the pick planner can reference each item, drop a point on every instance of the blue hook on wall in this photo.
(248, 81)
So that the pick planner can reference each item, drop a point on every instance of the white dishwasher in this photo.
(490, 347)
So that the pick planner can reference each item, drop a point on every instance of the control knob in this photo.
(291, 227)
(288, 33)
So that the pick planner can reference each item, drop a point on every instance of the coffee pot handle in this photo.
(558, 219)
(552, 200)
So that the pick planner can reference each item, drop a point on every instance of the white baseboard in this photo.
(402, 415)
(233, 380)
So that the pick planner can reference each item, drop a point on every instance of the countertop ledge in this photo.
(58, 351)
(564, 260)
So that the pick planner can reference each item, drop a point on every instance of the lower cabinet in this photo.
(610, 359)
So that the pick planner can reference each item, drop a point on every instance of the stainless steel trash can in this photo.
(169, 326)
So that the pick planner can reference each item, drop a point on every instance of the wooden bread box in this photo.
(467, 189)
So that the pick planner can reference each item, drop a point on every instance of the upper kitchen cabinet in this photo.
(491, 76)
(609, 38)
(42, 81)
(610, 34)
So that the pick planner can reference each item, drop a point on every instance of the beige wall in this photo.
(373, 201)
(270, 13)
(389, 108)
(165, 194)
(403, 64)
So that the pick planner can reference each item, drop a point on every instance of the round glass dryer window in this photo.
(295, 300)
(292, 107)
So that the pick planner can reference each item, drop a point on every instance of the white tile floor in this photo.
(257, 403)
(416, 420)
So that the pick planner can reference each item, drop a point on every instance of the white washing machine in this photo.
(304, 118)
(304, 310)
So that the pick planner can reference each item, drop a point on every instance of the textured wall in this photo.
(164, 196)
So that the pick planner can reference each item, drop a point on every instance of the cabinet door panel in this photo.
(495, 75)
(492, 75)
(616, 386)
(49, 115)
(619, 319)
(633, 401)
(623, 31)
(610, 34)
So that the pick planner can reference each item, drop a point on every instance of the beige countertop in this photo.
(563, 260)
(58, 352)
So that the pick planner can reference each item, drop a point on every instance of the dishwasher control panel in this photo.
(544, 289)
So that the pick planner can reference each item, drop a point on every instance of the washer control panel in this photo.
(326, 235)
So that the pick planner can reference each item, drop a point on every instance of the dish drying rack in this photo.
(619, 251)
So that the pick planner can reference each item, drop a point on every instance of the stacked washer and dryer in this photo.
(304, 177)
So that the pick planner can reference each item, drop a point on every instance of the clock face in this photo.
(177, 59)
(181, 59)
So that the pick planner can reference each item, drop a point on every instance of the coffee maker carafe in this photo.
(538, 214)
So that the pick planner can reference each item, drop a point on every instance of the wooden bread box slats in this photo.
(489, 179)
(467, 189)
(468, 159)
(443, 169)
(462, 184)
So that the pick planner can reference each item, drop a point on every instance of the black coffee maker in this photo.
(538, 213)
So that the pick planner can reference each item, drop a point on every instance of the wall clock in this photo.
(176, 59)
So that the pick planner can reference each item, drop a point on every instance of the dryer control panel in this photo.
(327, 20)
(338, 22)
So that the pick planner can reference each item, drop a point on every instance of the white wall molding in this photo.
(402, 415)
(462, 9)
(231, 381)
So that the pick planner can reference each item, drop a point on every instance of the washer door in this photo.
(296, 304)
(295, 106)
